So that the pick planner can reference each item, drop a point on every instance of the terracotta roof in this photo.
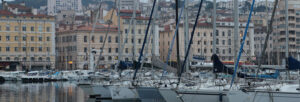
(8, 13)
(5, 12)
(21, 7)
(99, 27)
(129, 11)
(138, 18)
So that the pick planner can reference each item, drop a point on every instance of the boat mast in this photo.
(133, 31)
(286, 37)
(186, 33)
(119, 38)
(177, 38)
(91, 59)
(236, 29)
(214, 30)
(214, 26)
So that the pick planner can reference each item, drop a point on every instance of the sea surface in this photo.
(41, 92)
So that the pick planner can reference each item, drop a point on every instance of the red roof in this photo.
(5, 12)
(138, 18)
(21, 7)
(8, 13)
(129, 11)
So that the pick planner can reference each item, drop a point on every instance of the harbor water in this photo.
(41, 92)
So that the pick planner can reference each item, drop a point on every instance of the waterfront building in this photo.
(72, 46)
(27, 39)
(56, 6)
(203, 41)
(279, 32)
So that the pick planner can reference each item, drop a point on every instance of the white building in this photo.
(55, 6)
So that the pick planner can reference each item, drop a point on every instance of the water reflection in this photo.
(41, 92)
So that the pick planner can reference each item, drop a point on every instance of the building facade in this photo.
(73, 47)
(279, 34)
(139, 30)
(27, 39)
(55, 6)
(203, 42)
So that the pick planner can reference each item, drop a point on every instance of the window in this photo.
(32, 29)
(204, 42)
(40, 38)
(32, 49)
(229, 41)
(0, 28)
(85, 49)
(7, 27)
(74, 38)
(101, 39)
(109, 50)
(217, 50)
(223, 33)
(248, 43)
(48, 58)
(24, 28)
(48, 29)
(85, 39)
(16, 49)
(24, 58)
(7, 38)
(0, 38)
(198, 34)
(223, 42)
(217, 41)
(204, 34)
(40, 59)
(126, 31)
(217, 32)
(229, 50)
(7, 49)
(16, 28)
(204, 50)
(0, 49)
(7, 58)
(48, 49)
(139, 40)
(16, 58)
(16, 38)
(117, 50)
(229, 32)
(40, 49)
(223, 51)
(24, 48)
(24, 38)
(32, 38)
(126, 50)
(40, 28)
(109, 58)
(140, 31)
(117, 39)
(109, 39)
(93, 39)
(48, 38)
(32, 58)
(126, 40)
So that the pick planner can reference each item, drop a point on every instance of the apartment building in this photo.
(127, 28)
(55, 6)
(72, 47)
(203, 41)
(27, 39)
(279, 34)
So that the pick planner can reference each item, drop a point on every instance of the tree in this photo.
(246, 6)
(209, 5)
